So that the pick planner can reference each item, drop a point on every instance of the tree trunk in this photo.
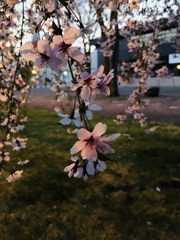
(113, 61)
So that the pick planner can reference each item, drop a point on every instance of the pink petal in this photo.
(89, 153)
(62, 55)
(111, 138)
(78, 146)
(27, 47)
(107, 91)
(99, 72)
(85, 75)
(104, 148)
(71, 35)
(43, 46)
(85, 92)
(83, 134)
(69, 168)
(57, 40)
(40, 64)
(55, 64)
(76, 54)
(99, 129)
(30, 56)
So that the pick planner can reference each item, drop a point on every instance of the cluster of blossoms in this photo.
(144, 49)
(56, 52)
(110, 33)
(93, 147)
(162, 72)
(14, 85)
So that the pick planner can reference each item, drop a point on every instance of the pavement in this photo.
(165, 108)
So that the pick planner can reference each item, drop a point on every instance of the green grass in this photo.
(120, 204)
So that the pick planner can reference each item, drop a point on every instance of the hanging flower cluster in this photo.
(145, 56)
(56, 51)
(93, 147)
(14, 85)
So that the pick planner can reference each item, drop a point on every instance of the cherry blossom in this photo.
(88, 82)
(44, 57)
(14, 176)
(83, 168)
(86, 109)
(18, 143)
(3, 95)
(92, 142)
(102, 84)
(23, 162)
(67, 119)
(162, 71)
(101, 166)
(62, 46)
(73, 167)
(4, 157)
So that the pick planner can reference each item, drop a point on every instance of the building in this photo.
(168, 55)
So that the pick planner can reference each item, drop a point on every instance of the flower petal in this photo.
(71, 35)
(83, 134)
(62, 114)
(30, 56)
(85, 92)
(65, 121)
(44, 47)
(56, 41)
(69, 168)
(99, 129)
(77, 122)
(104, 148)
(89, 115)
(78, 146)
(76, 54)
(79, 173)
(99, 72)
(101, 166)
(90, 168)
(111, 138)
(26, 48)
(94, 107)
(89, 153)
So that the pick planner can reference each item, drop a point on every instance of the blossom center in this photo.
(64, 47)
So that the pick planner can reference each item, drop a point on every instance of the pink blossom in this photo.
(62, 46)
(88, 82)
(102, 84)
(92, 142)
(43, 57)
(14, 176)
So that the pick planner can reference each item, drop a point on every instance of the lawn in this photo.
(136, 198)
